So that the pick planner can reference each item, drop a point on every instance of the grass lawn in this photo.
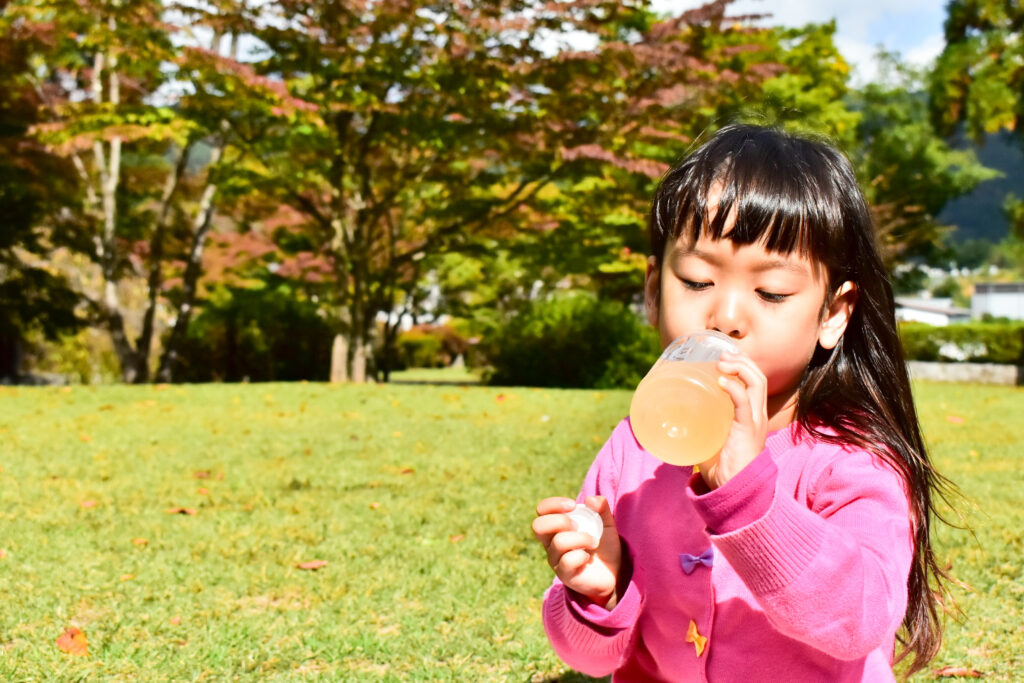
(418, 497)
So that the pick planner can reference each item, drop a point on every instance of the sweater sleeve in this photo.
(586, 636)
(831, 571)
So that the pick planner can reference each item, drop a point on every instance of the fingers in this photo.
(557, 532)
(745, 384)
(554, 505)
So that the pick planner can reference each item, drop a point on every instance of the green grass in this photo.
(419, 498)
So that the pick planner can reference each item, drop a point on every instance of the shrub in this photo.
(573, 340)
(429, 346)
(979, 342)
(256, 334)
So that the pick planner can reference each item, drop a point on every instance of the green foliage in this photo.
(908, 171)
(978, 79)
(573, 340)
(256, 335)
(418, 349)
(430, 346)
(978, 342)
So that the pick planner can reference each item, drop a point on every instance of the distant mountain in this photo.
(979, 215)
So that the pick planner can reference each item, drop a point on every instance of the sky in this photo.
(911, 27)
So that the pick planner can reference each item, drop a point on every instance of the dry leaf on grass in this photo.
(954, 419)
(141, 542)
(961, 671)
(88, 504)
(175, 620)
(181, 511)
(457, 537)
(312, 564)
(73, 642)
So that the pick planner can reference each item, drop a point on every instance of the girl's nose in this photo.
(727, 316)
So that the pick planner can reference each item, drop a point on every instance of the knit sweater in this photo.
(794, 570)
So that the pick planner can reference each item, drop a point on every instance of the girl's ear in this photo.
(652, 290)
(837, 316)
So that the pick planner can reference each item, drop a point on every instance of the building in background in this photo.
(935, 311)
(999, 300)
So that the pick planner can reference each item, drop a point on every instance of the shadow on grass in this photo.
(575, 677)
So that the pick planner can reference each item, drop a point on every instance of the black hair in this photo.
(798, 194)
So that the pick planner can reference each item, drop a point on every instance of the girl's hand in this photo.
(748, 389)
(589, 568)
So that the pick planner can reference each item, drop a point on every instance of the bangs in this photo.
(782, 191)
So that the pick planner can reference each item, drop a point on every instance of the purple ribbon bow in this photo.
(689, 562)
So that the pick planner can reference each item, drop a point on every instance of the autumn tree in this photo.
(446, 127)
(145, 124)
(32, 297)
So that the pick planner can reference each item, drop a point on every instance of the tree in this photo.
(978, 82)
(908, 170)
(447, 127)
(978, 78)
(145, 123)
(32, 297)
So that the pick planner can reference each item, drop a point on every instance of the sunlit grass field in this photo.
(169, 523)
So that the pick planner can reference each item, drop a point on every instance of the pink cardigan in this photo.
(795, 570)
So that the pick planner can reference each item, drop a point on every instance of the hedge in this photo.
(975, 342)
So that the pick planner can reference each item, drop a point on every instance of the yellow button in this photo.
(692, 636)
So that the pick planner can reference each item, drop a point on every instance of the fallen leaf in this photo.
(127, 577)
(312, 564)
(203, 491)
(106, 406)
(88, 504)
(141, 542)
(180, 511)
(500, 398)
(73, 642)
(962, 671)
(3, 554)
(954, 419)
(374, 505)
(457, 537)
(406, 470)
(175, 620)
(201, 474)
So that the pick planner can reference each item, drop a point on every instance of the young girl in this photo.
(802, 547)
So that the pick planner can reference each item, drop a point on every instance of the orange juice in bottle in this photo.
(679, 413)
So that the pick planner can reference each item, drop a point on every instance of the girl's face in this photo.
(771, 304)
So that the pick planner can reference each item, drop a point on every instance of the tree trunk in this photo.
(144, 345)
(359, 362)
(339, 359)
(193, 269)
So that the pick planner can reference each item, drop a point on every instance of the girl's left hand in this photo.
(748, 389)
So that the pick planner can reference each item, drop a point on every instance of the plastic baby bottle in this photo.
(679, 413)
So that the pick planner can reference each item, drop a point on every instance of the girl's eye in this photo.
(772, 297)
(694, 285)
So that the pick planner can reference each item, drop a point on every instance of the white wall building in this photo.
(931, 311)
(998, 299)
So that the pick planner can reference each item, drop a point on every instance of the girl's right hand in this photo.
(590, 569)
